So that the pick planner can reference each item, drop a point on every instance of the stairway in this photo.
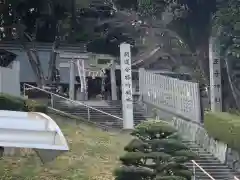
(206, 160)
(99, 117)
(209, 163)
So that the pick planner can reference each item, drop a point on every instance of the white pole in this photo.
(215, 75)
(113, 81)
(126, 78)
(81, 73)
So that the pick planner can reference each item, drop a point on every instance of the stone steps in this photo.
(209, 163)
(99, 117)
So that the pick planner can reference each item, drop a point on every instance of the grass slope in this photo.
(93, 155)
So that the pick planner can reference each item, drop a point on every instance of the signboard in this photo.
(215, 75)
(126, 78)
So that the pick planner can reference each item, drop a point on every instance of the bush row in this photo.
(13, 103)
(224, 127)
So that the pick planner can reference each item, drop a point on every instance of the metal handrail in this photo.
(34, 87)
(235, 178)
(205, 172)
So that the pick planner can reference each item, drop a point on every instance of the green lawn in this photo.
(93, 155)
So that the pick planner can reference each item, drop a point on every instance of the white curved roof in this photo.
(32, 130)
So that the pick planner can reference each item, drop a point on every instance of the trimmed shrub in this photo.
(12, 103)
(36, 107)
(156, 153)
(224, 127)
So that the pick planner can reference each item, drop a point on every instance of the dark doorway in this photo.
(94, 87)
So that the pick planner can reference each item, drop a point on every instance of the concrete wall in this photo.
(195, 132)
(9, 79)
(26, 72)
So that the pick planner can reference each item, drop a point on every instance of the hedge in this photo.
(13, 103)
(224, 127)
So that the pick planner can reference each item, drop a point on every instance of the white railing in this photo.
(195, 166)
(170, 94)
(53, 101)
(235, 178)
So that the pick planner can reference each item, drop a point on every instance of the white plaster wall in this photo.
(195, 132)
(9, 79)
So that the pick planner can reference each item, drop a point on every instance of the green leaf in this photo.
(167, 145)
(170, 178)
(133, 173)
(136, 145)
(154, 129)
(158, 155)
(132, 158)
(186, 153)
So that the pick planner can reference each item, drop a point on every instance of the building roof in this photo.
(74, 48)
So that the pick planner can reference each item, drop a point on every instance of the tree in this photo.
(64, 21)
(23, 20)
(226, 30)
(195, 22)
(176, 21)
(156, 152)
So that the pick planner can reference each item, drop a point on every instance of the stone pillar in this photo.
(126, 78)
(16, 69)
(72, 80)
(113, 81)
(141, 83)
(215, 75)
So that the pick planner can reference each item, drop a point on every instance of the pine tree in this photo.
(156, 153)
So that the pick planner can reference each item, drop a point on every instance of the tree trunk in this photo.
(36, 67)
(52, 71)
(234, 91)
(203, 60)
(228, 97)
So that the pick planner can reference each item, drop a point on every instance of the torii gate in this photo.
(78, 60)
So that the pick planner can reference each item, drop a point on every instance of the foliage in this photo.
(8, 102)
(35, 106)
(155, 153)
(228, 128)
(226, 29)
(189, 19)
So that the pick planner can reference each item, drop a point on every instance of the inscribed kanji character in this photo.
(216, 73)
(127, 69)
(127, 61)
(128, 99)
(218, 86)
(128, 77)
(128, 85)
(215, 61)
(126, 54)
(128, 92)
(217, 100)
